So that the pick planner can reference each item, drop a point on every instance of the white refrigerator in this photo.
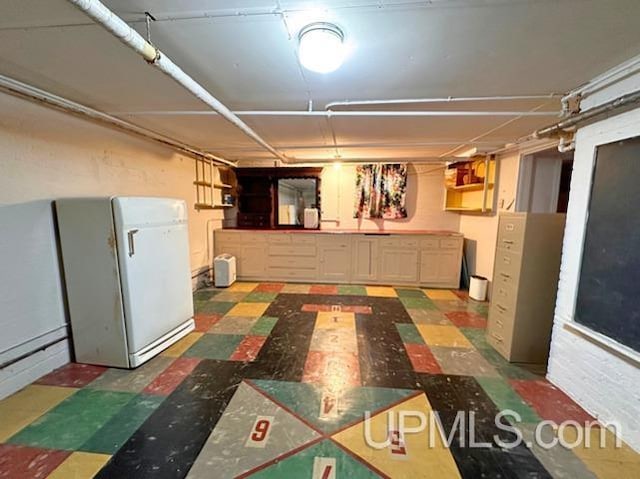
(127, 276)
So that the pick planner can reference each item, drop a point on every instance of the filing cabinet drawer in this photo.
(507, 264)
(511, 232)
(449, 243)
(290, 250)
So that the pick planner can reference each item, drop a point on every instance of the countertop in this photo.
(348, 231)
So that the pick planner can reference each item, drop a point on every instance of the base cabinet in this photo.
(432, 260)
(365, 259)
(335, 262)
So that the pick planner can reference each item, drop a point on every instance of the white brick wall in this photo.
(602, 382)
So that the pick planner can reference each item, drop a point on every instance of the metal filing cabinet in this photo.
(525, 281)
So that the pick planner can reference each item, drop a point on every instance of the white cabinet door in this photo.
(365, 259)
(398, 265)
(449, 271)
(335, 262)
(429, 266)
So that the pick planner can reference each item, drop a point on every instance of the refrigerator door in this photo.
(153, 255)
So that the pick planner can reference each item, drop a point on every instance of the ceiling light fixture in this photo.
(321, 47)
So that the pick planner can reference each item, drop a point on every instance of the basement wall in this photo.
(45, 154)
(605, 383)
(424, 200)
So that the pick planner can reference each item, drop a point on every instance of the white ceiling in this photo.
(244, 53)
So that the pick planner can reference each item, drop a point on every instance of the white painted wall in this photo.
(481, 231)
(602, 382)
(45, 154)
(425, 201)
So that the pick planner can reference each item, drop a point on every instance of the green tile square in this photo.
(351, 290)
(260, 297)
(409, 334)
(504, 397)
(477, 337)
(230, 296)
(418, 303)
(214, 346)
(209, 307)
(204, 294)
(410, 293)
(263, 326)
(110, 437)
(74, 421)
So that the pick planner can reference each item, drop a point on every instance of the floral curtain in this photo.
(381, 191)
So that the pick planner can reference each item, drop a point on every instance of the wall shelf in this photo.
(469, 185)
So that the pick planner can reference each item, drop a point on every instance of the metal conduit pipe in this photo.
(22, 90)
(409, 101)
(127, 35)
(331, 113)
(623, 101)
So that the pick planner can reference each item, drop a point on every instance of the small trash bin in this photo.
(478, 288)
(224, 270)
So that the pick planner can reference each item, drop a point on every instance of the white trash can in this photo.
(478, 288)
(224, 270)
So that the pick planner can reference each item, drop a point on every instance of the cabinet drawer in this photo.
(290, 250)
(503, 278)
(303, 238)
(279, 238)
(511, 232)
(224, 237)
(507, 264)
(449, 243)
(399, 243)
(431, 243)
(286, 273)
(304, 262)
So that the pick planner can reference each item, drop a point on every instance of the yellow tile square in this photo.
(178, 349)
(242, 287)
(381, 291)
(608, 462)
(251, 310)
(335, 320)
(448, 336)
(440, 294)
(80, 465)
(26, 406)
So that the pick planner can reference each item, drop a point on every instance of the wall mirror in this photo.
(294, 195)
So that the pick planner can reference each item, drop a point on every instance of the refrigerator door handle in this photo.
(132, 249)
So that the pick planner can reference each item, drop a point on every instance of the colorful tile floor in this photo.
(274, 383)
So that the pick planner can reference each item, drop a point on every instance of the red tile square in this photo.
(323, 289)
(170, 378)
(205, 321)
(461, 293)
(422, 359)
(29, 462)
(72, 375)
(337, 370)
(315, 308)
(465, 319)
(248, 348)
(549, 401)
(269, 287)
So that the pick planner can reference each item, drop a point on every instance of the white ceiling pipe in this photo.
(423, 144)
(32, 93)
(127, 35)
(343, 113)
(410, 101)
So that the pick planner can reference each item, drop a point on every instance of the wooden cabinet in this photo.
(365, 258)
(398, 265)
(525, 279)
(424, 259)
(335, 260)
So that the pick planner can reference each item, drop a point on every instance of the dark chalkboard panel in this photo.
(609, 290)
